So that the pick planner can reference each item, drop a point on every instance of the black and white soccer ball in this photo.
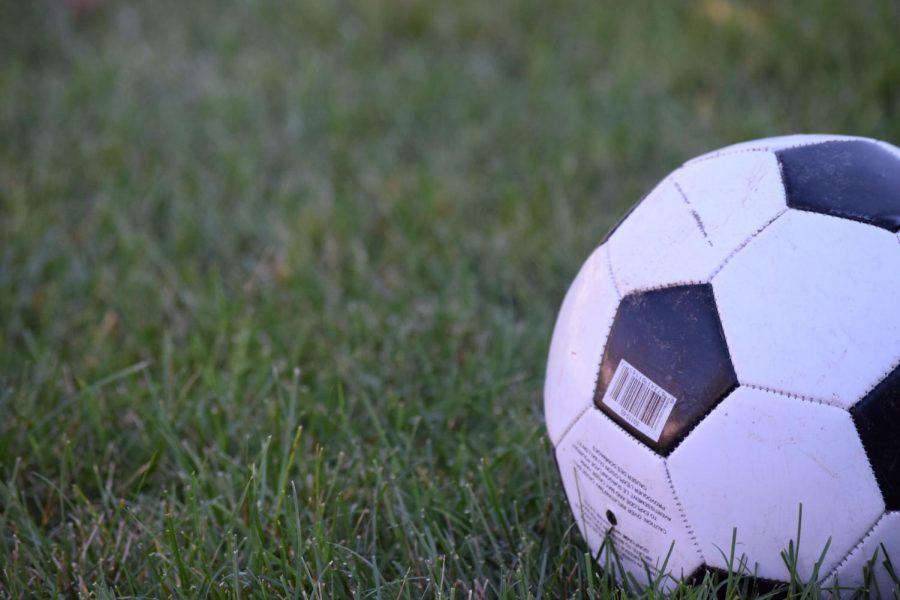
(730, 352)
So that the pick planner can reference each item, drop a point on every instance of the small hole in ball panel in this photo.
(611, 518)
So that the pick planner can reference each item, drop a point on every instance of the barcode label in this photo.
(635, 398)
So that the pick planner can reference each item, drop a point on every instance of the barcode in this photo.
(639, 401)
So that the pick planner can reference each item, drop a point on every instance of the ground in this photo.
(277, 279)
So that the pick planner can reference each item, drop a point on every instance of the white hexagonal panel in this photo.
(735, 195)
(577, 346)
(773, 143)
(751, 464)
(809, 307)
(876, 551)
(610, 478)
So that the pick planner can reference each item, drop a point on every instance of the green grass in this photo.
(277, 279)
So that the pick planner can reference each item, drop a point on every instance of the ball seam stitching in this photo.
(774, 150)
(683, 514)
(572, 424)
(871, 388)
(744, 244)
(612, 275)
(794, 395)
(665, 286)
(856, 547)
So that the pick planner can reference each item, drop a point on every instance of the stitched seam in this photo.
(605, 341)
(753, 235)
(612, 275)
(665, 286)
(833, 141)
(881, 378)
(724, 338)
(704, 419)
(682, 513)
(842, 216)
(856, 547)
(631, 436)
(701, 159)
(794, 395)
(844, 219)
(696, 215)
(571, 425)
(600, 364)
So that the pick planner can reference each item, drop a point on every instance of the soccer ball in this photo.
(729, 354)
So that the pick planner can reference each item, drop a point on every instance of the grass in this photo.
(277, 279)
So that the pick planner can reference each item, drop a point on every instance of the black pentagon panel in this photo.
(877, 418)
(855, 180)
(665, 345)
(753, 586)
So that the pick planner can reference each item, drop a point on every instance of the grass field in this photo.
(277, 279)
